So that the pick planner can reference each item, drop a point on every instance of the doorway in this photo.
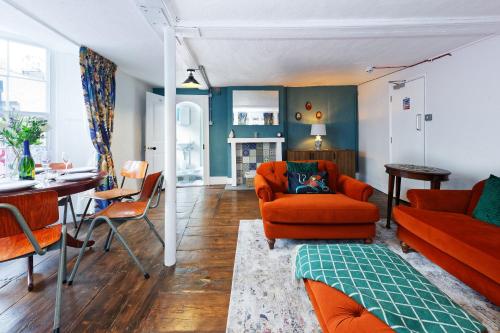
(407, 126)
(192, 149)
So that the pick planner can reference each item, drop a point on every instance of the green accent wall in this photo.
(337, 103)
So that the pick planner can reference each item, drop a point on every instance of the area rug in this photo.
(265, 297)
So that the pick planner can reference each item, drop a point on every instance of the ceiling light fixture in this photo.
(191, 82)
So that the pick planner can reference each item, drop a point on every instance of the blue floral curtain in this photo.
(98, 82)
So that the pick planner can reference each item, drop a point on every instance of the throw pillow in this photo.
(311, 167)
(488, 206)
(308, 183)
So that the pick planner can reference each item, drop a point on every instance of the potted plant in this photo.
(18, 132)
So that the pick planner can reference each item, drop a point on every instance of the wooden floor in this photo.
(109, 292)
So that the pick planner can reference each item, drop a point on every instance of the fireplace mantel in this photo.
(234, 141)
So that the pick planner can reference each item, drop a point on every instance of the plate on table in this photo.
(86, 169)
(39, 170)
(13, 185)
(77, 176)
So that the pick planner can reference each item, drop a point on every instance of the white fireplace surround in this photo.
(234, 141)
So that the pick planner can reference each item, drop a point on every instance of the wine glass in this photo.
(65, 158)
(45, 160)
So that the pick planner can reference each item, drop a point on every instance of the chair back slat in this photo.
(59, 166)
(39, 209)
(149, 187)
(134, 169)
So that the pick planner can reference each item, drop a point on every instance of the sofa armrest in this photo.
(262, 188)
(354, 188)
(455, 201)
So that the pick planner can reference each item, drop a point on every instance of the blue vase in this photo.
(26, 163)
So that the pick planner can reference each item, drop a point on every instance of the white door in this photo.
(155, 134)
(407, 108)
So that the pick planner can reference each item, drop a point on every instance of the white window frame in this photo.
(48, 115)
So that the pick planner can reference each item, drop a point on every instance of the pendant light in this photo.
(191, 81)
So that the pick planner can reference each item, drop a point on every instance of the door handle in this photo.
(419, 121)
(151, 148)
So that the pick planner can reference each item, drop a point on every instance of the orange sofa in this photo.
(439, 225)
(343, 215)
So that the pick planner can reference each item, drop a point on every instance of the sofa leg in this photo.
(368, 240)
(405, 247)
(270, 242)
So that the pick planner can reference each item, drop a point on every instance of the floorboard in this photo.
(110, 294)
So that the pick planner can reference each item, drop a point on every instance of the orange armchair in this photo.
(346, 214)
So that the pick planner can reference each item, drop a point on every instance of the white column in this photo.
(170, 158)
(234, 173)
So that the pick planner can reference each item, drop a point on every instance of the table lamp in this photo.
(318, 130)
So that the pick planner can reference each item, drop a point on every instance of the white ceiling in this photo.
(263, 42)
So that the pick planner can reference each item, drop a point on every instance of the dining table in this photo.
(63, 189)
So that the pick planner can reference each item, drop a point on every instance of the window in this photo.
(23, 78)
(24, 87)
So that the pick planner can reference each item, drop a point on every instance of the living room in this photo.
(249, 166)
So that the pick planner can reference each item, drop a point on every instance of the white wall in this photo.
(128, 138)
(464, 135)
(69, 133)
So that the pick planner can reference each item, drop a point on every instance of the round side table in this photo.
(398, 171)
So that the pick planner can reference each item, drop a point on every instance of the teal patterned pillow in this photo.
(308, 183)
(309, 167)
(488, 206)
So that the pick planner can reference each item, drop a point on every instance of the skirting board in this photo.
(219, 180)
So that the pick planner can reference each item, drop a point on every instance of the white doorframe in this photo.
(389, 87)
(203, 102)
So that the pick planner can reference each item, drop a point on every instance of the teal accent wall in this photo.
(219, 156)
(337, 103)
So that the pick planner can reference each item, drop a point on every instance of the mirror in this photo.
(256, 107)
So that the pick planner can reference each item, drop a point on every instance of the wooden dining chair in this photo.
(65, 201)
(120, 212)
(131, 170)
(26, 229)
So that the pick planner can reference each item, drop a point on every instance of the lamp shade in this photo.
(318, 129)
(191, 82)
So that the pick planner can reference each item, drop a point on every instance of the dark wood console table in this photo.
(398, 171)
(344, 158)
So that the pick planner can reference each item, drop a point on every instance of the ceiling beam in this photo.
(160, 13)
(346, 29)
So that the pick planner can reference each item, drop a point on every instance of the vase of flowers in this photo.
(18, 132)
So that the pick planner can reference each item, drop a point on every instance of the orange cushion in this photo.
(18, 245)
(115, 193)
(477, 190)
(123, 210)
(318, 209)
(338, 313)
(470, 241)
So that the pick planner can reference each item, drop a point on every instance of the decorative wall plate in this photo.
(298, 115)
(319, 115)
(309, 106)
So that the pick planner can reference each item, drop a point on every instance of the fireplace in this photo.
(248, 153)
